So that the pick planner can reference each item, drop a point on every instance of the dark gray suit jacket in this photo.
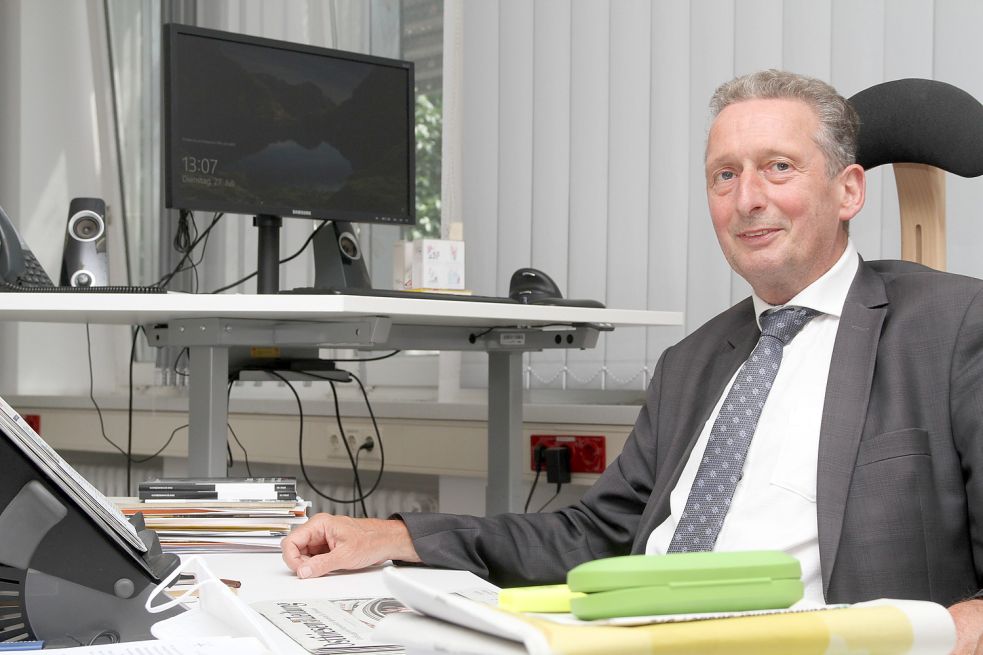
(900, 477)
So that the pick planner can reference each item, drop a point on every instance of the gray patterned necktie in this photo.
(720, 470)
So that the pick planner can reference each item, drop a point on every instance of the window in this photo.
(422, 36)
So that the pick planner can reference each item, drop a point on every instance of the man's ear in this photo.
(853, 184)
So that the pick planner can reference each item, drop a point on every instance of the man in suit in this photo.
(866, 461)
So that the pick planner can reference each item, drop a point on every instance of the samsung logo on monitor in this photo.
(300, 212)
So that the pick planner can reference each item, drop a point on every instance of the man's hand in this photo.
(968, 616)
(329, 543)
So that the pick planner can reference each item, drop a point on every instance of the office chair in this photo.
(923, 128)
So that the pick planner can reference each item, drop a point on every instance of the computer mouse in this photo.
(533, 287)
(529, 285)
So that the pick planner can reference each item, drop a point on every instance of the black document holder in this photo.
(66, 575)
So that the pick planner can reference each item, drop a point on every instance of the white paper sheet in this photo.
(216, 646)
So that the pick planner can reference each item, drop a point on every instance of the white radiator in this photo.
(110, 478)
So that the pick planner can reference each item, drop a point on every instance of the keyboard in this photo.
(433, 295)
(391, 293)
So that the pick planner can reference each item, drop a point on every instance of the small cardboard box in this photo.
(428, 264)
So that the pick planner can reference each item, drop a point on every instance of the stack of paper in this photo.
(205, 526)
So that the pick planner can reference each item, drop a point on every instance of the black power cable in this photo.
(184, 352)
(141, 460)
(164, 281)
(540, 456)
(552, 498)
(375, 423)
(368, 359)
(378, 435)
(128, 453)
(300, 441)
(245, 455)
(92, 397)
(182, 236)
(348, 449)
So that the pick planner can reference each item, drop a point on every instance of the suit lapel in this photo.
(732, 351)
(845, 407)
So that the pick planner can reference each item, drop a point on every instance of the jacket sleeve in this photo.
(525, 549)
(966, 411)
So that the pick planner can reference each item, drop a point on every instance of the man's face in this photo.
(776, 213)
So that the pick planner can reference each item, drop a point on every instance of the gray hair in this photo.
(838, 120)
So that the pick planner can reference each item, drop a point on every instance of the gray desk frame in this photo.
(210, 325)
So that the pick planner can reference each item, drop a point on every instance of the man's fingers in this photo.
(291, 553)
(319, 565)
(304, 541)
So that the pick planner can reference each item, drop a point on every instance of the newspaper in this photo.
(333, 626)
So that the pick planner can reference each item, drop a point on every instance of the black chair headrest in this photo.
(922, 122)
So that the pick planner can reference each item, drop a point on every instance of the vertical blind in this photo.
(584, 125)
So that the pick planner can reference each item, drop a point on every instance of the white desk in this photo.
(210, 325)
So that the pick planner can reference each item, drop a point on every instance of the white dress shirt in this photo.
(774, 505)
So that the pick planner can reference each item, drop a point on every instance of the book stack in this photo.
(252, 490)
(227, 515)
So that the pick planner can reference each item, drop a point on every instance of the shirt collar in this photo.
(827, 294)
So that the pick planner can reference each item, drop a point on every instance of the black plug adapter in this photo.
(558, 464)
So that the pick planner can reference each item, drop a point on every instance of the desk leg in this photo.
(208, 411)
(506, 454)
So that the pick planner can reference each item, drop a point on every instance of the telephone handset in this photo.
(18, 265)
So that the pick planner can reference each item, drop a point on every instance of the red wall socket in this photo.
(586, 452)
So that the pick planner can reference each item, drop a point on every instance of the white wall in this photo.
(584, 127)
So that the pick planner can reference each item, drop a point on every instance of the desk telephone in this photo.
(18, 265)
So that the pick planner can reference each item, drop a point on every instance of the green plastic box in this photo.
(685, 583)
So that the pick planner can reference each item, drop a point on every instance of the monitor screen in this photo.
(264, 127)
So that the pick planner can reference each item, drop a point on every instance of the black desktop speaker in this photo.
(339, 262)
(84, 262)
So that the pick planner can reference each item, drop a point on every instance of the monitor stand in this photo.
(268, 253)
(339, 261)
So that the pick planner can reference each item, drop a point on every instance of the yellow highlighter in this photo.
(545, 598)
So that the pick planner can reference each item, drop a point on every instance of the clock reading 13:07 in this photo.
(199, 165)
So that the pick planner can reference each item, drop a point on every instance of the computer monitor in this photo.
(276, 129)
